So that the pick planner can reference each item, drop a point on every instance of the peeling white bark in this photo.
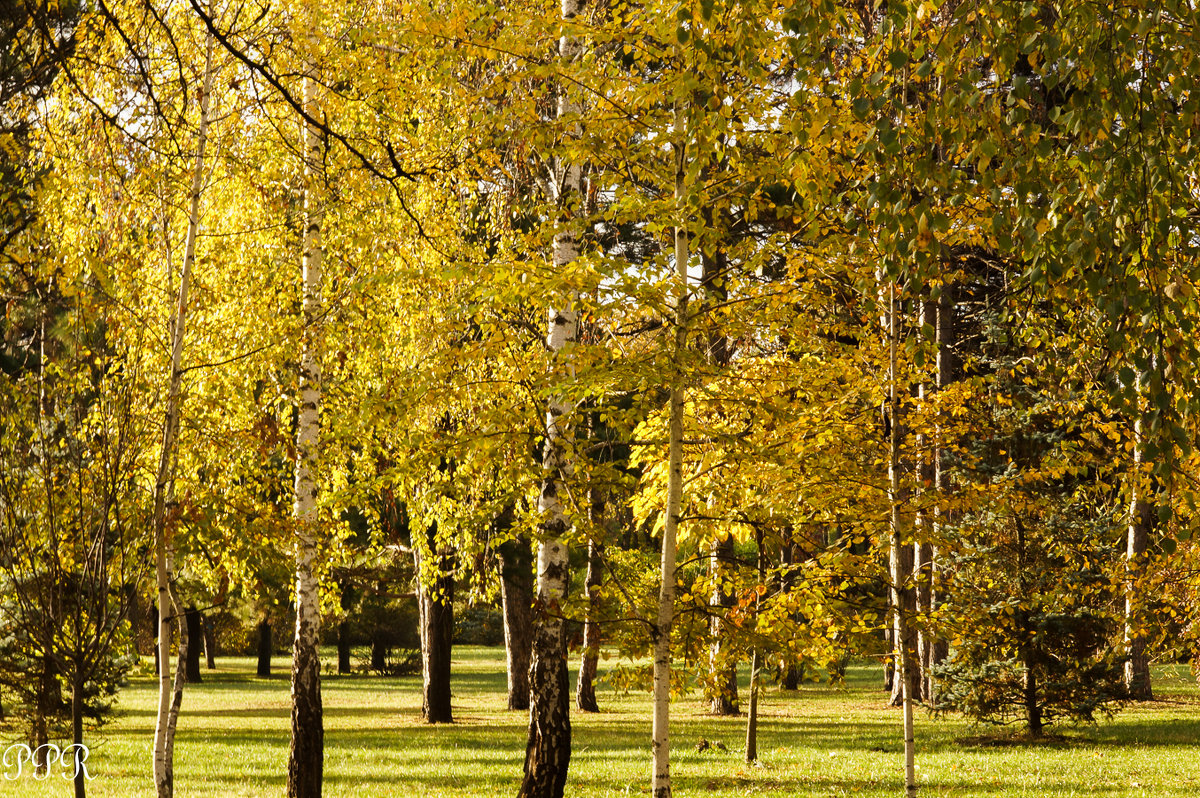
(548, 752)
(306, 753)
(170, 694)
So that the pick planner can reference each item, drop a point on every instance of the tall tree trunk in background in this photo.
(947, 373)
(585, 686)
(1141, 523)
(435, 603)
(137, 625)
(153, 614)
(346, 602)
(77, 687)
(724, 700)
(923, 525)
(47, 704)
(168, 696)
(516, 596)
(307, 750)
(722, 667)
(661, 631)
(380, 651)
(265, 647)
(548, 753)
(755, 660)
(901, 554)
(210, 643)
(791, 671)
(195, 629)
(343, 648)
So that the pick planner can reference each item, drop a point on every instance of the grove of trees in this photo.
(707, 332)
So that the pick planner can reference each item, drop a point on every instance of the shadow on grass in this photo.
(1173, 731)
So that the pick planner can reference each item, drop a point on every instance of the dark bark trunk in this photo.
(210, 643)
(343, 648)
(889, 663)
(153, 614)
(548, 754)
(195, 632)
(47, 698)
(80, 775)
(516, 593)
(1033, 707)
(755, 661)
(752, 710)
(1028, 649)
(792, 674)
(265, 648)
(306, 755)
(585, 688)
(137, 620)
(435, 598)
(379, 653)
(438, 612)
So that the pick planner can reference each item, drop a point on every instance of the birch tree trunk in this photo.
(170, 692)
(585, 686)
(1141, 520)
(947, 372)
(306, 753)
(661, 631)
(548, 752)
(900, 577)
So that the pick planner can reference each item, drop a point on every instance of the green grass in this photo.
(821, 741)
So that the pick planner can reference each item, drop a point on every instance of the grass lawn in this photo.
(820, 741)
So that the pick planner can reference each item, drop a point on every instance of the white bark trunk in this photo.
(1137, 668)
(170, 695)
(548, 752)
(306, 753)
(899, 577)
(661, 781)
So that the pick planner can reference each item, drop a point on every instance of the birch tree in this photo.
(661, 632)
(170, 690)
(548, 753)
(306, 752)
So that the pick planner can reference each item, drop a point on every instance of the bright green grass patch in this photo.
(821, 741)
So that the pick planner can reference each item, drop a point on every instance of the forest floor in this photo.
(819, 741)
